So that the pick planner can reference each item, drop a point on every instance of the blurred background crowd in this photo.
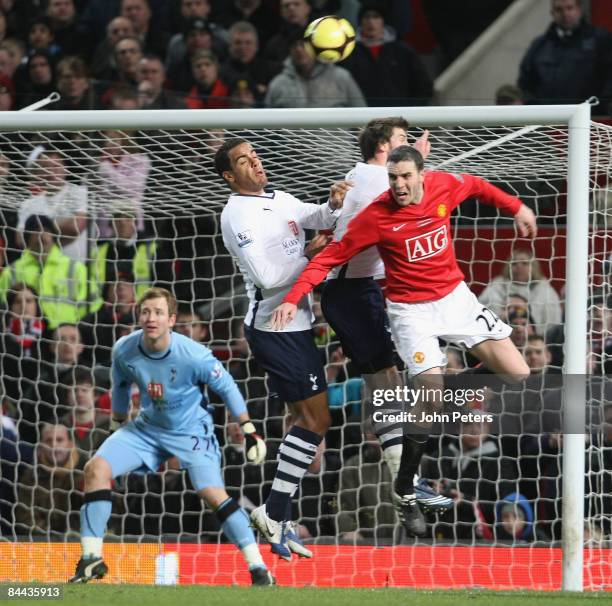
(168, 54)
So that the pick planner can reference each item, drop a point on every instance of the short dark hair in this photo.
(73, 64)
(83, 375)
(37, 223)
(405, 153)
(153, 57)
(204, 54)
(17, 287)
(188, 310)
(222, 160)
(376, 132)
(508, 94)
(377, 6)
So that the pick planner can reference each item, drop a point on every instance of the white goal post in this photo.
(576, 118)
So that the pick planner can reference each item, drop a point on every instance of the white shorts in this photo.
(458, 318)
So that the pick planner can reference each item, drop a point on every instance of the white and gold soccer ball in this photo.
(329, 39)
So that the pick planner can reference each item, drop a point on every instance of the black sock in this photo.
(412, 451)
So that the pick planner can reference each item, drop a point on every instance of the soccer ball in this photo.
(329, 39)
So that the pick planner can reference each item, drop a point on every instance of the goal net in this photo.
(141, 207)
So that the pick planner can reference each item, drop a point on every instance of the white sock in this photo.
(252, 556)
(91, 546)
(392, 456)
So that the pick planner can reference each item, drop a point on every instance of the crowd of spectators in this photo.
(247, 53)
(67, 298)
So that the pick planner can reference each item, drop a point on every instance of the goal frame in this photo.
(576, 117)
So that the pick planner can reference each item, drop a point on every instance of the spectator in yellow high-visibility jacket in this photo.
(60, 281)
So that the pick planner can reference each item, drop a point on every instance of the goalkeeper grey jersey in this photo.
(369, 181)
(265, 236)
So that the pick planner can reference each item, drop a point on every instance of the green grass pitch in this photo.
(198, 595)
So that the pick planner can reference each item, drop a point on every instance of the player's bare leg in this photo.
(95, 513)
(297, 452)
(503, 358)
(235, 524)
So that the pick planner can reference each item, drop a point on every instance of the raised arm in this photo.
(468, 186)
(323, 216)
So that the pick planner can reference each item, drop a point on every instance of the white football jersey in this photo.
(370, 180)
(265, 236)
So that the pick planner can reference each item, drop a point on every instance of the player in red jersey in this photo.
(427, 298)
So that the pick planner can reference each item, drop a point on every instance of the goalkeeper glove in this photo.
(255, 447)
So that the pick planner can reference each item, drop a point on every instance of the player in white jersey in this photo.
(353, 302)
(264, 232)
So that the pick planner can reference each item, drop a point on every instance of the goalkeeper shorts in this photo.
(141, 448)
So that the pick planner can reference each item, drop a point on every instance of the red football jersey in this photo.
(414, 241)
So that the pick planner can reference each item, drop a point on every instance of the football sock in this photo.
(389, 433)
(412, 450)
(235, 524)
(95, 513)
(391, 437)
(296, 453)
(392, 456)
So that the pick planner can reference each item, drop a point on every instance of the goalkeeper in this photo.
(171, 371)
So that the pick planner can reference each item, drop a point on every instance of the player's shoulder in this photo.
(188, 347)
(238, 209)
(127, 343)
(243, 205)
(442, 177)
(280, 196)
(381, 202)
(350, 175)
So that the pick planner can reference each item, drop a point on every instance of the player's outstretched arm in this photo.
(362, 233)
(526, 222)
(467, 186)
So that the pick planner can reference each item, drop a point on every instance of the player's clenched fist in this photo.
(526, 222)
(337, 192)
(255, 447)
